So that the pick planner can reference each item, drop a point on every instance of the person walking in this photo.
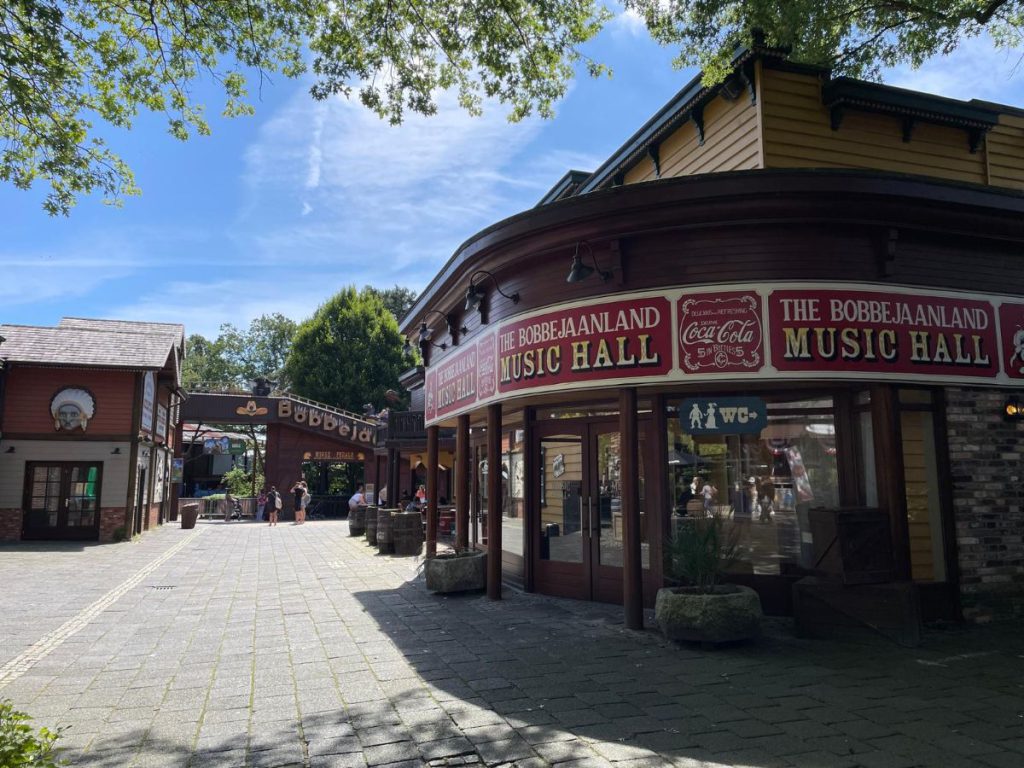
(261, 504)
(274, 504)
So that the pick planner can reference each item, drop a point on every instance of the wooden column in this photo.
(432, 491)
(885, 423)
(629, 469)
(462, 483)
(494, 501)
(394, 478)
(377, 460)
(531, 504)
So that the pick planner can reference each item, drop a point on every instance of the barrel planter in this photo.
(371, 526)
(189, 515)
(357, 521)
(457, 572)
(407, 533)
(385, 539)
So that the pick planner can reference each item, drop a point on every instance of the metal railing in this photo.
(212, 509)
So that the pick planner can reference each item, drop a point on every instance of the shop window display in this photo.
(762, 484)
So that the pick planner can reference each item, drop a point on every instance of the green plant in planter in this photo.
(21, 745)
(118, 534)
(700, 551)
(704, 610)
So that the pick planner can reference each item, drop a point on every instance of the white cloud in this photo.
(627, 23)
(975, 70)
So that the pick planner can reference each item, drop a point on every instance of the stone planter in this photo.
(728, 613)
(456, 573)
(189, 515)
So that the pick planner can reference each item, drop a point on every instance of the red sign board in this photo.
(825, 330)
(1011, 323)
(720, 333)
(455, 382)
(487, 379)
(604, 341)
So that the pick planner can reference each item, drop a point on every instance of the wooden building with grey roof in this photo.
(87, 410)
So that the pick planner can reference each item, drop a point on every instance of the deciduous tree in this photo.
(66, 64)
(349, 353)
(854, 37)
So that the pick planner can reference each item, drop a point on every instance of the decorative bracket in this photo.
(653, 152)
(835, 116)
(749, 78)
(618, 179)
(697, 115)
(908, 129)
(974, 139)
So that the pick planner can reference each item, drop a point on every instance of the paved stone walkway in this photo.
(243, 645)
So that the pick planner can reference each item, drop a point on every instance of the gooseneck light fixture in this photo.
(474, 297)
(580, 271)
(425, 335)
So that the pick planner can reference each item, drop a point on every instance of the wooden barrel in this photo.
(407, 533)
(357, 521)
(385, 542)
(371, 526)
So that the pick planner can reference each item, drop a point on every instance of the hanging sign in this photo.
(148, 400)
(720, 332)
(177, 470)
(824, 330)
(723, 415)
(603, 341)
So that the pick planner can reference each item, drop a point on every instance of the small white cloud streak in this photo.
(975, 70)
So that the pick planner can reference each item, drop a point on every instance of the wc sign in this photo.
(723, 415)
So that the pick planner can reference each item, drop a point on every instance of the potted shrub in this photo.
(458, 571)
(701, 608)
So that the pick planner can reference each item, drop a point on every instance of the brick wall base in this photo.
(10, 524)
(986, 455)
(153, 519)
(111, 518)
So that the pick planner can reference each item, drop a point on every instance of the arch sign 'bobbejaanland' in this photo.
(795, 331)
(297, 430)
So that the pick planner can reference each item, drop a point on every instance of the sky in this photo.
(277, 212)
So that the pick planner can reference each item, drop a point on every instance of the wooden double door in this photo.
(62, 501)
(578, 493)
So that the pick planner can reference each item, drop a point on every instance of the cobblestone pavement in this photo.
(243, 645)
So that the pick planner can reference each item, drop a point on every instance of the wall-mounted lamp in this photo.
(116, 452)
(580, 271)
(473, 296)
(454, 329)
(1014, 409)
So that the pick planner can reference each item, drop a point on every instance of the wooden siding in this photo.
(921, 486)
(1005, 147)
(730, 144)
(798, 134)
(30, 390)
(12, 467)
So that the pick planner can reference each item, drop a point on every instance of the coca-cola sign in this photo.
(720, 333)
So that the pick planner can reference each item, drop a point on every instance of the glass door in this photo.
(580, 510)
(62, 501)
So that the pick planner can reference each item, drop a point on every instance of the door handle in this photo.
(590, 515)
(581, 514)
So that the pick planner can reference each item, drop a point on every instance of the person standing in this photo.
(228, 505)
(261, 504)
(708, 493)
(302, 499)
(274, 503)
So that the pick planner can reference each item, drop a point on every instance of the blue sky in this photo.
(276, 213)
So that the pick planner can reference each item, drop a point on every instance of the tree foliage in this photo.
(397, 300)
(21, 744)
(67, 63)
(349, 353)
(237, 357)
(858, 38)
